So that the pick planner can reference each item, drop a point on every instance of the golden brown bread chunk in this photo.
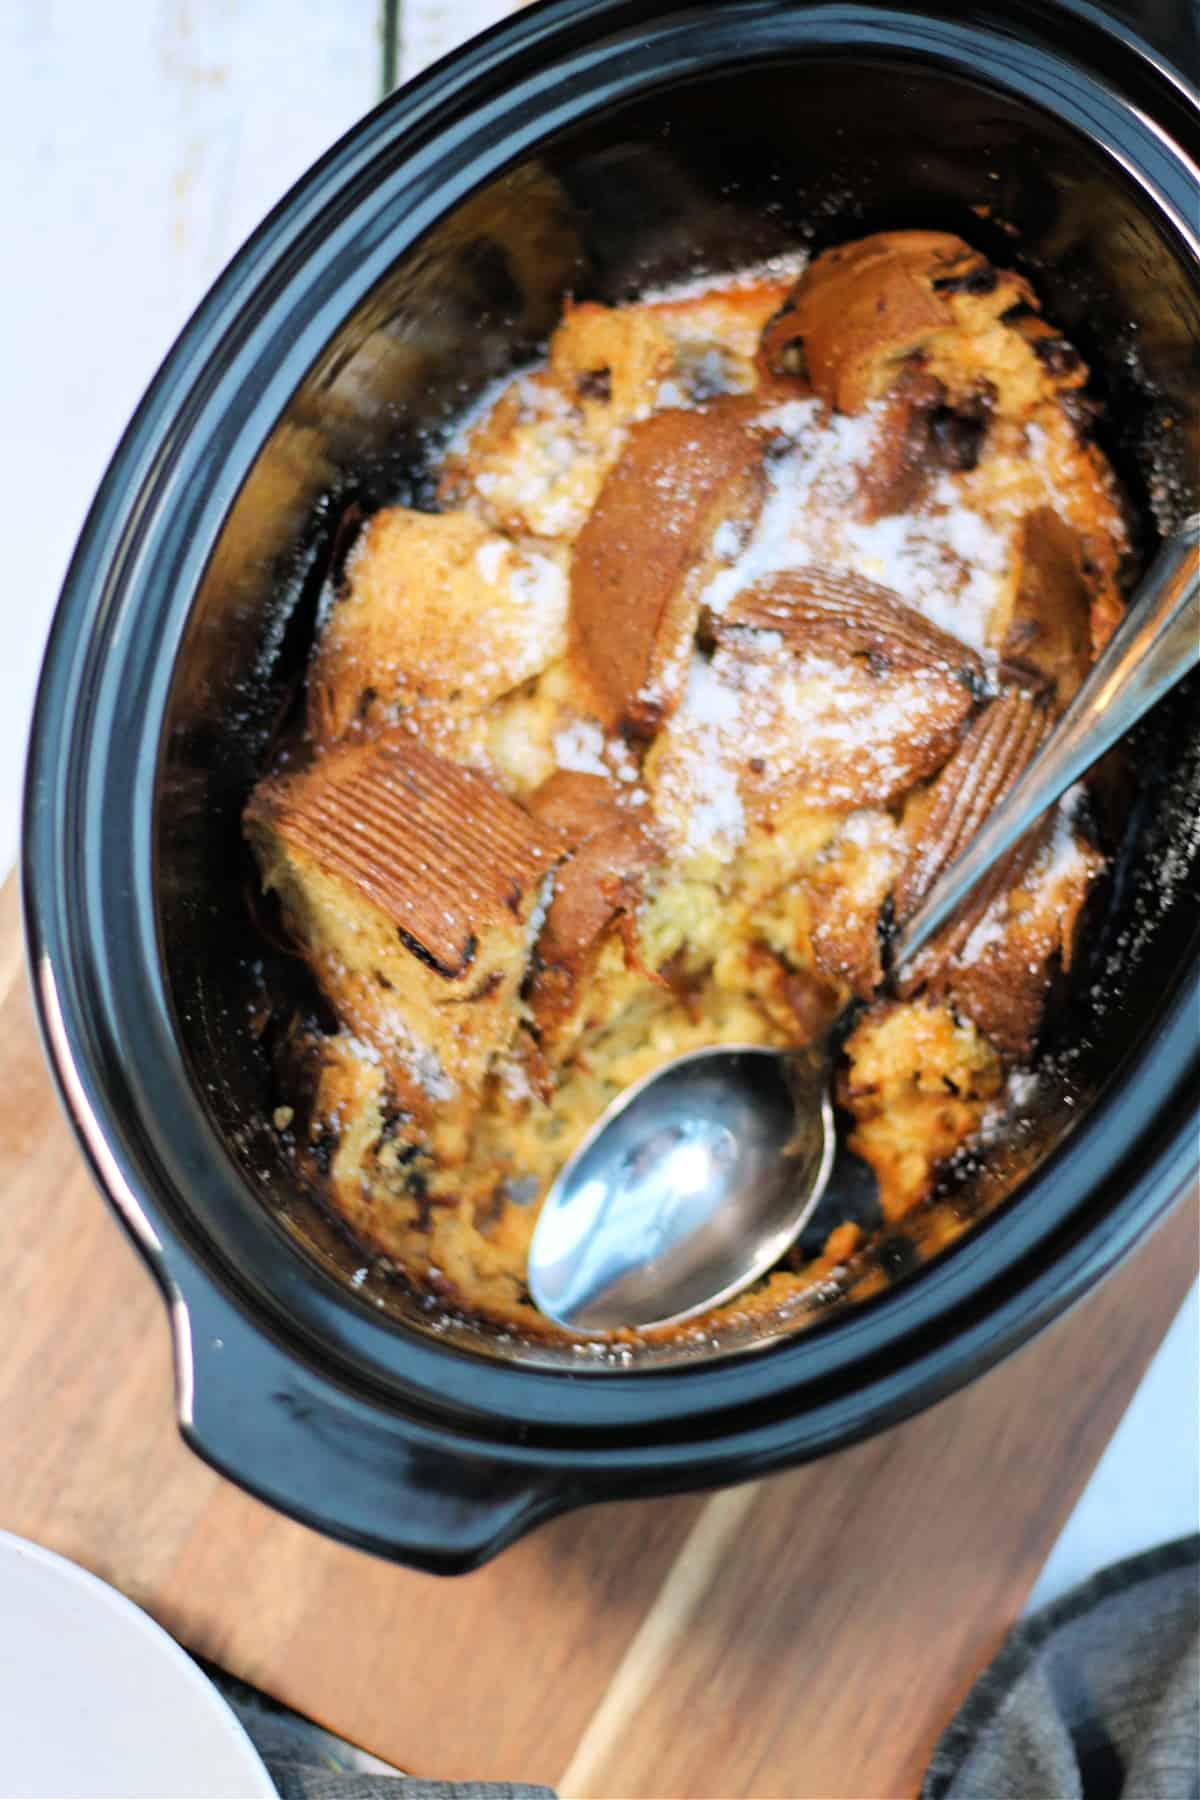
(1048, 631)
(846, 891)
(412, 887)
(439, 609)
(996, 966)
(816, 730)
(534, 463)
(576, 802)
(715, 336)
(1003, 972)
(917, 1082)
(525, 466)
(612, 849)
(858, 311)
(917, 437)
(839, 613)
(940, 822)
(994, 961)
(1040, 464)
(612, 363)
(387, 1178)
(643, 558)
(862, 311)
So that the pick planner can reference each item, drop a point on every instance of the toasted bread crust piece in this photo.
(864, 310)
(437, 848)
(994, 960)
(643, 557)
(437, 608)
(613, 849)
(410, 884)
(846, 893)
(940, 823)
(842, 614)
(576, 803)
(998, 976)
(1048, 632)
(913, 443)
(819, 731)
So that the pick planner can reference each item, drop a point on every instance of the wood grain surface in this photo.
(805, 1636)
(144, 141)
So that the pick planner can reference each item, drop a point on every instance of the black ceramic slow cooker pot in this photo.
(596, 146)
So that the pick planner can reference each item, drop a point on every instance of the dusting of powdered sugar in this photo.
(711, 715)
(670, 395)
(990, 930)
(714, 710)
(514, 1080)
(541, 586)
(727, 541)
(861, 828)
(1062, 854)
(416, 1059)
(1059, 858)
(621, 761)
(580, 748)
(708, 701)
(945, 561)
(812, 721)
(490, 557)
(718, 820)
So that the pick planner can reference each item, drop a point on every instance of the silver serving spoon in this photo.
(695, 1181)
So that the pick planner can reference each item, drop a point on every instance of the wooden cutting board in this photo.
(808, 1636)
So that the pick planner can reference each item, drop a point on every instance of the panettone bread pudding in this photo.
(738, 614)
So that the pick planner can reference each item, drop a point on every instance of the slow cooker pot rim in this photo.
(114, 562)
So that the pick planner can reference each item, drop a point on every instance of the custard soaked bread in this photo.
(738, 615)
(440, 617)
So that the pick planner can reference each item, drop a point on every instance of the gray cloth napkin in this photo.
(307, 1763)
(302, 1782)
(1095, 1698)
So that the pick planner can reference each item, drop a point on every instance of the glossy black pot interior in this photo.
(592, 148)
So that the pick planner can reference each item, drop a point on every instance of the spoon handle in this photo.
(1155, 645)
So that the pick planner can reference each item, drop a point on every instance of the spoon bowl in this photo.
(687, 1189)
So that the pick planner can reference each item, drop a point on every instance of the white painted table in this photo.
(142, 141)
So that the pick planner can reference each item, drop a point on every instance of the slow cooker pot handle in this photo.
(305, 1445)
